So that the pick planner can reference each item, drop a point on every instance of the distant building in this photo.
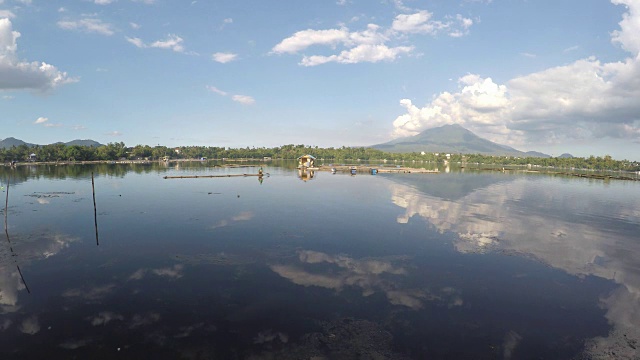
(306, 161)
(32, 157)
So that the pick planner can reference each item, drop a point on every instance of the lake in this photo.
(459, 265)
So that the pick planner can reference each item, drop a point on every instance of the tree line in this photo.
(119, 151)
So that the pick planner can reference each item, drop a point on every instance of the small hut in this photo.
(306, 161)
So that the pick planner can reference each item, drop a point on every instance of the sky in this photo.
(544, 75)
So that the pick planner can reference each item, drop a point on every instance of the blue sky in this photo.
(552, 76)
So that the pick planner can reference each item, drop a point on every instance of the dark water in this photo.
(447, 266)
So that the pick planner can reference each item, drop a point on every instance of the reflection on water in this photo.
(474, 265)
(576, 226)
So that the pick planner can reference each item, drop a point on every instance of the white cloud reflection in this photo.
(370, 275)
(525, 217)
(30, 325)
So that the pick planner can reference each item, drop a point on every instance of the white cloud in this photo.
(114, 133)
(360, 53)
(104, 2)
(243, 99)
(136, 41)
(627, 36)
(16, 74)
(41, 120)
(224, 57)
(134, 25)
(53, 125)
(7, 14)
(371, 44)
(216, 90)
(89, 25)
(148, 2)
(529, 55)
(419, 22)
(549, 106)
(172, 42)
(305, 38)
(571, 48)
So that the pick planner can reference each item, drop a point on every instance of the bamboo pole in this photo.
(211, 176)
(6, 232)
(95, 213)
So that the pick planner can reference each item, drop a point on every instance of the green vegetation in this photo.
(118, 151)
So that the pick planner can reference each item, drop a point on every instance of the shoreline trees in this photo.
(119, 151)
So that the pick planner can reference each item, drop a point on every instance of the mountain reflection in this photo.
(562, 224)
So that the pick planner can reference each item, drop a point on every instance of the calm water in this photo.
(459, 265)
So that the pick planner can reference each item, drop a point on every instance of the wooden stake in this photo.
(95, 213)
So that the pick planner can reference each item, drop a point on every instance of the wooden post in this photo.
(95, 213)
(6, 232)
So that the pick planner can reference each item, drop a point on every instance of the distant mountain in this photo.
(10, 141)
(537, 154)
(83, 143)
(566, 156)
(451, 139)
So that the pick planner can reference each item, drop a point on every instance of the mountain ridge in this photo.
(11, 141)
(452, 139)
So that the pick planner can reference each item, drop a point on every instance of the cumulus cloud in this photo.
(16, 74)
(41, 120)
(372, 43)
(104, 2)
(172, 42)
(549, 106)
(224, 58)
(89, 25)
(243, 99)
(361, 53)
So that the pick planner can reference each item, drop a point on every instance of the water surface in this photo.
(408, 266)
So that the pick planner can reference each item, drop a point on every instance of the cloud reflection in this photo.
(370, 275)
(173, 272)
(103, 318)
(243, 216)
(568, 225)
(30, 325)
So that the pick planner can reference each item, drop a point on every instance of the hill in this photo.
(451, 139)
(10, 141)
(83, 143)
